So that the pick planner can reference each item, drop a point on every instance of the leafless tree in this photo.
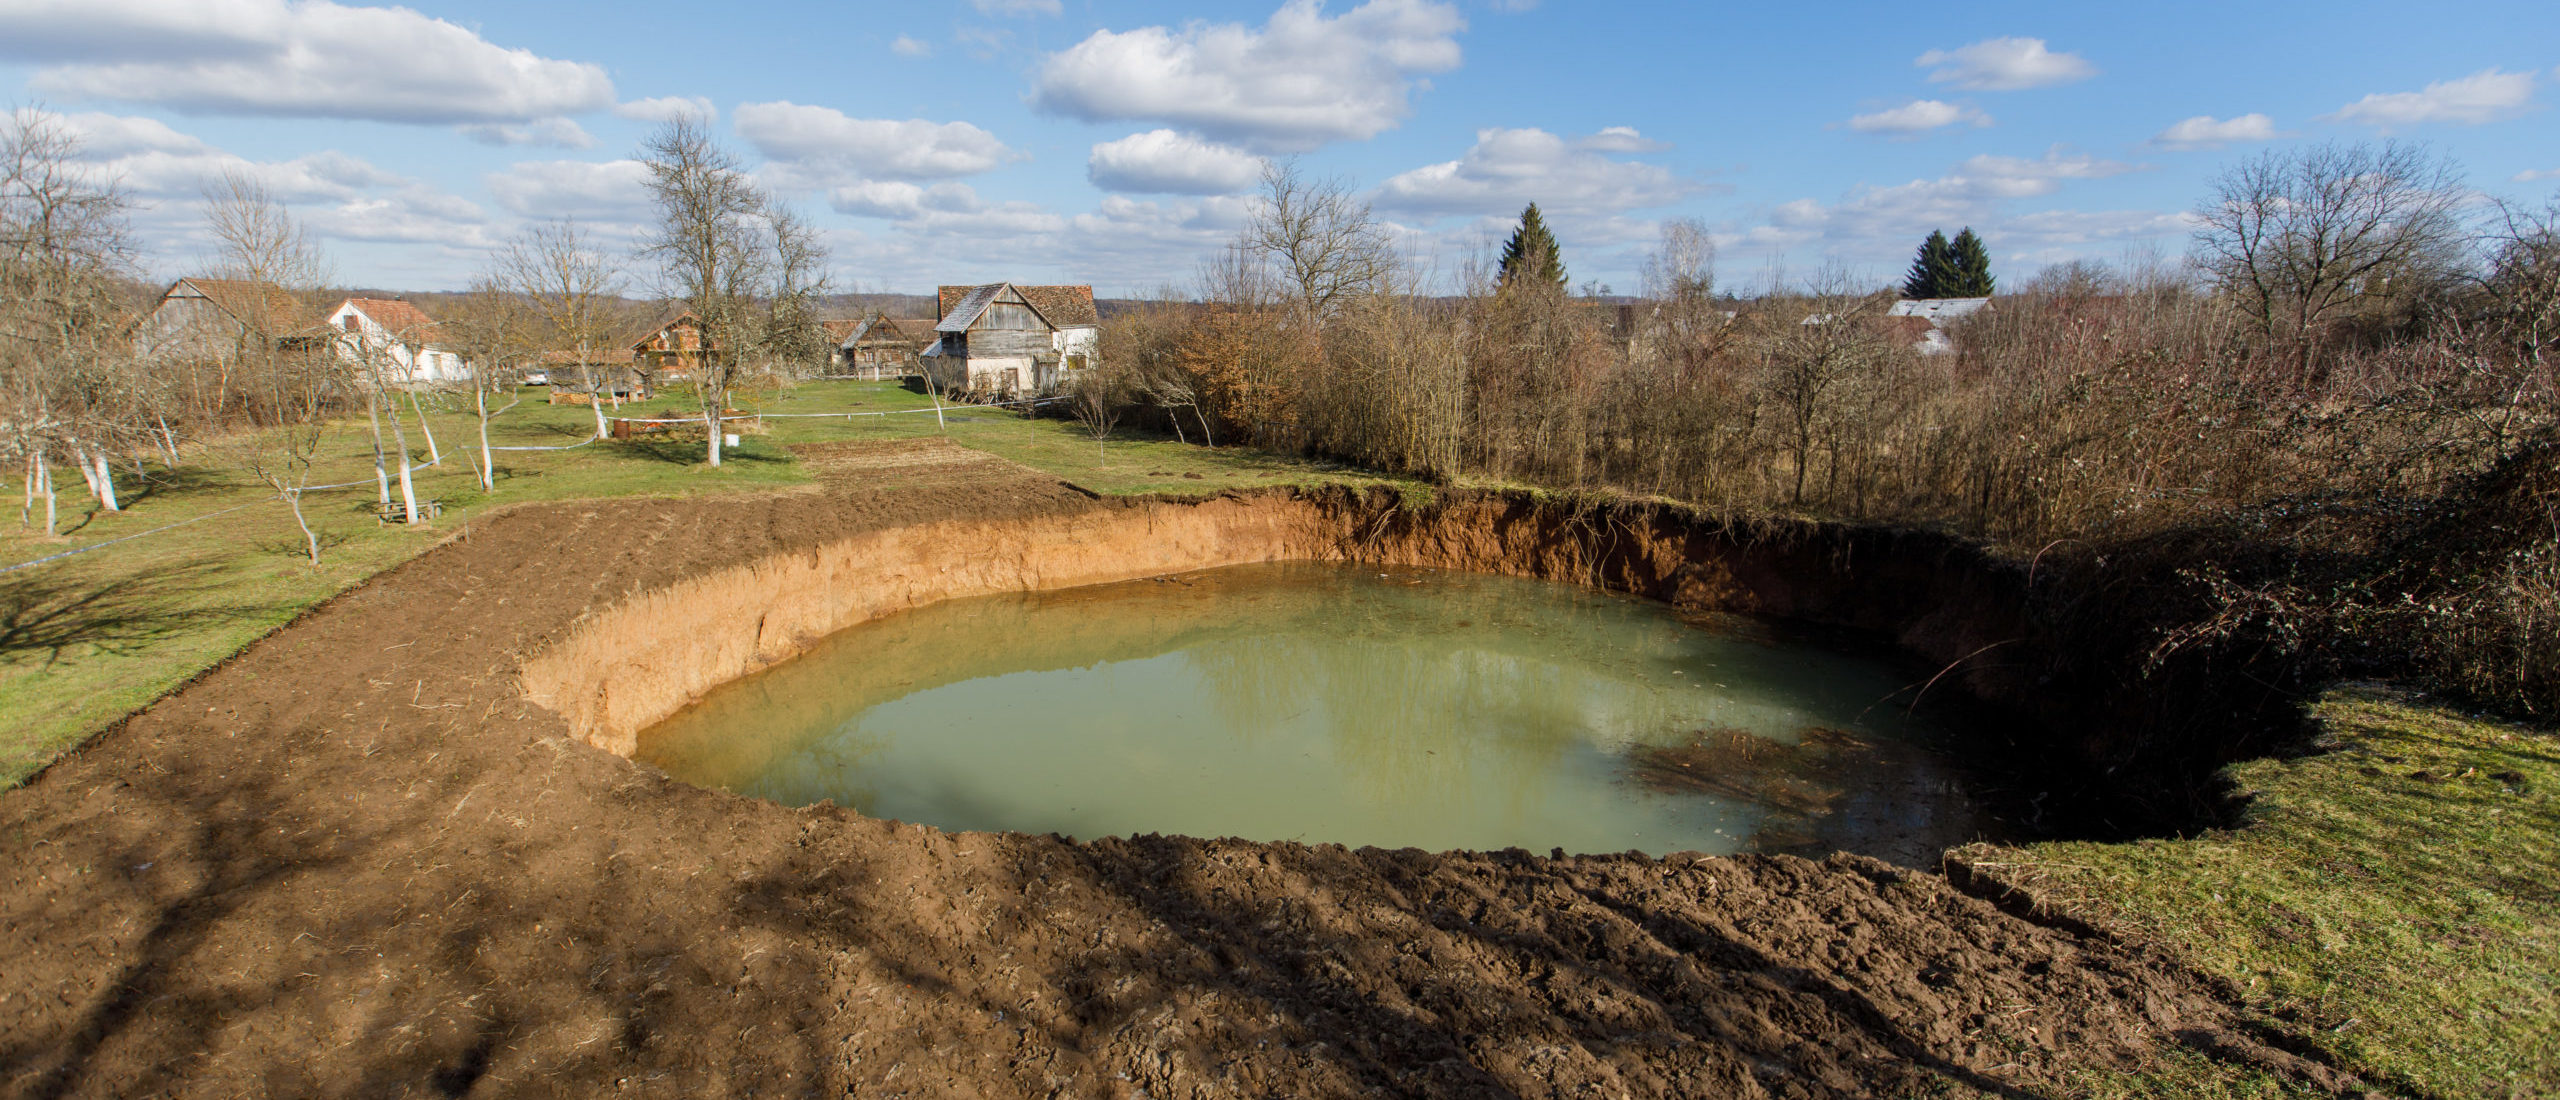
(2301, 239)
(1323, 240)
(68, 382)
(1813, 361)
(576, 289)
(1096, 395)
(496, 330)
(710, 247)
(792, 337)
(290, 375)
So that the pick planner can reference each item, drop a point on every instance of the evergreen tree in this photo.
(1532, 253)
(1933, 270)
(1972, 263)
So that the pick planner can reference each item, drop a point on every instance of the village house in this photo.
(1009, 340)
(396, 339)
(210, 320)
(879, 346)
(669, 349)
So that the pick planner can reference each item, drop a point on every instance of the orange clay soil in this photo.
(359, 860)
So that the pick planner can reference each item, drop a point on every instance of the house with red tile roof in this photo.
(396, 339)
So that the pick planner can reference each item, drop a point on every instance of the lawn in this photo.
(93, 637)
(2393, 901)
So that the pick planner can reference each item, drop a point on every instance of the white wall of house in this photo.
(401, 364)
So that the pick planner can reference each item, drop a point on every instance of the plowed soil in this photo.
(354, 862)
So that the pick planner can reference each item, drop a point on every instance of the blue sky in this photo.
(1116, 142)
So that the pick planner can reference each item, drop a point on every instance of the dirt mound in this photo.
(355, 861)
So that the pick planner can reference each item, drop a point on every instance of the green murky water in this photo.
(1329, 703)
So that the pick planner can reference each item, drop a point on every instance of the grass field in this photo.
(91, 638)
(2395, 900)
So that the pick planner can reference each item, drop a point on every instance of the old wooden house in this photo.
(214, 320)
(880, 346)
(1009, 340)
(670, 349)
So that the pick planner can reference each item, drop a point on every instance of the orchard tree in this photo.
(707, 249)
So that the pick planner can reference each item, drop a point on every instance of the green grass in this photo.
(2394, 901)
(89, 639)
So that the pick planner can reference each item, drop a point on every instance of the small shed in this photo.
(880, 346)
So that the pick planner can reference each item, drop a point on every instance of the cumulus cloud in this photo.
(666, 108)
(557, 132)
(2005, 65)
(1017, 7)
(2208, 132)
(904, 46)
(609, 191)
(1509, 169)
(1881, 224)
(2536, 175)
(943, 209)
(147, 157)
(817, 146)
(1163, 161)
(291, 58)
(2484, 96)
(1301, 80)
(1917, 117)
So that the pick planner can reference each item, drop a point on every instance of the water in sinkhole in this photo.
(1342, 703)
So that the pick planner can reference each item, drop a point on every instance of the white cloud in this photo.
(557, 132)
(1298, 82)
(609, 191)
(816, 146)
(1509, 169)
(666, 108)
(1918, 116)
(291, 58)
(1879, 223)
(1017, 7)
(2484, 96)
(148, 158)
(904, 46)
(2208, 132)
(1167, 162)
(2536, 175)
(2005, 65)
(944, 209)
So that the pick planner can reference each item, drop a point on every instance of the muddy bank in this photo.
(356, 860)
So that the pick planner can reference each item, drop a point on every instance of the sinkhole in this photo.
(1344, 703)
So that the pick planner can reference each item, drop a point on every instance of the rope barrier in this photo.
(304, 491)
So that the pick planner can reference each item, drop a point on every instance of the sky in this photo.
(1119, 142)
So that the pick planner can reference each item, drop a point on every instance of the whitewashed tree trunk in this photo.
(408, 489)
(44, 481)
(106, 481)
(381, 474)
(434, 457)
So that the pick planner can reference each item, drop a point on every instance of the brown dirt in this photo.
(355, 861)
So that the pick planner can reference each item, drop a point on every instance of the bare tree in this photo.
(792, 335)
(68, 382)
(2304, 238)
(1325, 242)
(1812, 362)
(292, 378)
(710, 249)
(496, 330)
(576, 288)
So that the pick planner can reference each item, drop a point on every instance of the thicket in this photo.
(2325, 446)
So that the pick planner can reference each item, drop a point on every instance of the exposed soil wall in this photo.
(633, 664)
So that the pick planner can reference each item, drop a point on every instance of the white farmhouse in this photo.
(999, 338)
(396, 338)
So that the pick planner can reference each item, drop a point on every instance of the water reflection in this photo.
(1336, 703)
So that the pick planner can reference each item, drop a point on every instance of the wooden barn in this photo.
(880, 346)
(1007, 340)
(670, 349)
(210, 320)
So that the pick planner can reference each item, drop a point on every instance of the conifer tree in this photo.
(1972, 267)
(1933, 270)
(1532, 253)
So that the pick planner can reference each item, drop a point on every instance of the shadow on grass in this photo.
(44, 615)
(675, 450)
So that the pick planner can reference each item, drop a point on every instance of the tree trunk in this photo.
(408, 489)
(44, 482)
(373, 412)
(310, 538)
(488, 472)
(106, 483)
(435, 457)
(168, 439)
